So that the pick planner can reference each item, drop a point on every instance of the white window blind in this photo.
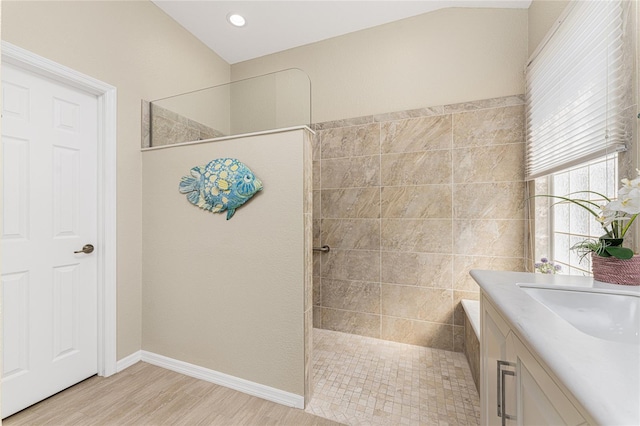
(576, 85)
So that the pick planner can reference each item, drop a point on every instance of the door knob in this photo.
(86, 249)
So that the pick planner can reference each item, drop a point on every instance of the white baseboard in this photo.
(222, 379)
(128, 361)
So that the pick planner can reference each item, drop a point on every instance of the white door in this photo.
(49, 211)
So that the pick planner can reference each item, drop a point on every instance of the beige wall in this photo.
(228, 295)
(439, 58)
(543, 15)
(145, 55)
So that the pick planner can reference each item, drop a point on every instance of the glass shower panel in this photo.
(271, 101)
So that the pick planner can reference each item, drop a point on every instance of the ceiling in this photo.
(274, 26)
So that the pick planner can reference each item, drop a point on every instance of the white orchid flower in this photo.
(629, 204)
(607, 215)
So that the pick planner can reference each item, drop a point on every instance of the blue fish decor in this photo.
(223, 184)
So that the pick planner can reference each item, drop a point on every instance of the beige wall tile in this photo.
(416, 134)
(458, 310)
(439, 336)
(317, 228)
(317, 199)
(416, 235)
(317, 258)
(419, 303)
(351, 265)
(463, 264)
(351, 295)
(419, 269)
(489, 237)
(495, 126)
(317, 293)
(350, 172)
(351, 322)
(484, 104)
(315, 146)
(401, 237)
(489, 164)
(498, 200)
(317, 317)
(354, 141)
(458, 338)
(416, 168)
(351, 203)
(351, 233)
(316, 175)
(413, 113)
(426, 201)
(347, 122)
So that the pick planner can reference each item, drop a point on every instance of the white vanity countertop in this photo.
(603, 375)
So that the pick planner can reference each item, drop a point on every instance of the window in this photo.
(578, 83)
(567, 224)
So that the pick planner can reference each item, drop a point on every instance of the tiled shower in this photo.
(408, 203)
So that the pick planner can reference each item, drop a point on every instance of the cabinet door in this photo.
(540, 400)
(493, 349)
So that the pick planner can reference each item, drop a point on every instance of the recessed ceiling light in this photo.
(236, 20)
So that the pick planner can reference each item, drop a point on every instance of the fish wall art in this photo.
(222, 184)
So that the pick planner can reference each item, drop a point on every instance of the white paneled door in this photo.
(49, 213)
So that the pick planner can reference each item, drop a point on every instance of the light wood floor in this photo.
(148, 395)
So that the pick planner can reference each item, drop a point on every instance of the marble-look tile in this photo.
(488, 237)
(317, 291)
(361, 234)
(350, 172)
(317, 262)
(168, 132)
(472, 352)
(317, 204)
(489, 164)
(419, 269)
(363, 265)
(356, 141)
(416, 168)
(458, 338)
(317, 317)
(420, 303)
(495, 126)
(308, 261)
(422, 333)
(411, 113)
(351, 322)
(308, 356)
(307, 170)
(416, 235)
(357, 296)
(317, 233)
(315, 147)
(416, 134)
(463, 264)
(484, 103)
(497, 200)
(316, 175)
(146, 124)
(351, 203)
(366, 381)
(357, 121)
(416, 202)
(458, 311)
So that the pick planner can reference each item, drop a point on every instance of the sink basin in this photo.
(603, 315)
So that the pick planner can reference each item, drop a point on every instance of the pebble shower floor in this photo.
(365, 381)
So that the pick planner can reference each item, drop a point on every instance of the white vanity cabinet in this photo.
(515, 388)
(493, 360)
